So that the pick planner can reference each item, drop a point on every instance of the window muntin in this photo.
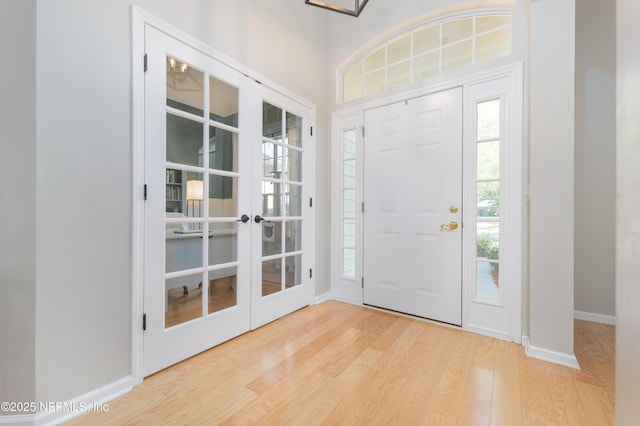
(427, 51)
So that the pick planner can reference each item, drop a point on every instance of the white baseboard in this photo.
(322, 298)
(568, 360)
(588, 316)
(19, 419)
(348, 300)
(94, 400)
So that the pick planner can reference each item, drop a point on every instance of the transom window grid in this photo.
(427, 51)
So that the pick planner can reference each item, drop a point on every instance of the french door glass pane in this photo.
(195, 196)
(488, 155)
(271, 160)
(488, 240)
(293, 236)
(222, 289)
(293, 271)
(184, 141)
(293, 200)
(174, 197)
(294, 130)
(223, 244)
(293, 165)
(488, 197)
(223, 150)
(185, 87)
(271, 276)
(183, 299)
(271, 121)
(183, 248)
(223, 200)
(271, 238)
(271, 199)
(223, 102)
(489, 120)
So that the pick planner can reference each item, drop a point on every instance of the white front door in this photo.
(413, 211)
(222, 153)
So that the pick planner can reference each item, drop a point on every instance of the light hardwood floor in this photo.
(335, 363)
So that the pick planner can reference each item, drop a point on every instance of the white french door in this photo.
(210, 172)
(413, 206)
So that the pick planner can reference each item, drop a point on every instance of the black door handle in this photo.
(259, 219)
(244, 218)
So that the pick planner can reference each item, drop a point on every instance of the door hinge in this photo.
(362, 282)
(310, 202)
(310, 273)
(362, 207)
(145, 192)
(362, 132)
(144, 322)
(311, 130)
(145, 63)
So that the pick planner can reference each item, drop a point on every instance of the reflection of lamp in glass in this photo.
(195, 192)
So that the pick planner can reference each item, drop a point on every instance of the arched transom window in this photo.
(428, 50)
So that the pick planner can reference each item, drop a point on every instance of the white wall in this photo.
(17, 201)
(595, 157)
(628, 206)
(551, 91)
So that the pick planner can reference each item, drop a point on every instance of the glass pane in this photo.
(222, 199)
(488, 160)
(349, 262)
(271, 276)
(487, 281)
(174, 193)
(493, 45)
(457, 30)
(293, 165)
(293, 200)
(489, 22)
(271, 238)
(223, 106)
(184, 141)
(489, 119)
(271, 121)
(426, 66)
(399, 49)
(375, 60)
(223, 243)
(195, 194)
(426, 39)
(185, 87)
(457, 56)
(223, 150)
(349, 233)
(183, 247)
(293, 271)
(271, 160)
(293, 236)
(398, 74)
(352, 89)
(349, 174)
(222, 289)
(183, 299)
(374, 83)
(353, 71)
(488, 199)
(294, 130)
(349, 203)
(349, 144)
(488, 240)
(271, 199)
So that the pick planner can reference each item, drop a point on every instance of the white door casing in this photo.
(413, 206)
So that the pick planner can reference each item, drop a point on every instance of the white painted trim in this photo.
(85, 403)
(489, 333)
(349, 300)
(588, 316)
(26, 419)
(560, 358)
(322, 298)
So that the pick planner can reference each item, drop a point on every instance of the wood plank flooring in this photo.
(335, 363)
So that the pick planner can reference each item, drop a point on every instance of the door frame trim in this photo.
(140, 19)
(345, 289)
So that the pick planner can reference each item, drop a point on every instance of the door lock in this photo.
(451, 226)
(453, 209)
(244, 218)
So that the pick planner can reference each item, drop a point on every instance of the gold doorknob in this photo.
(453, 209)
(451, 226)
